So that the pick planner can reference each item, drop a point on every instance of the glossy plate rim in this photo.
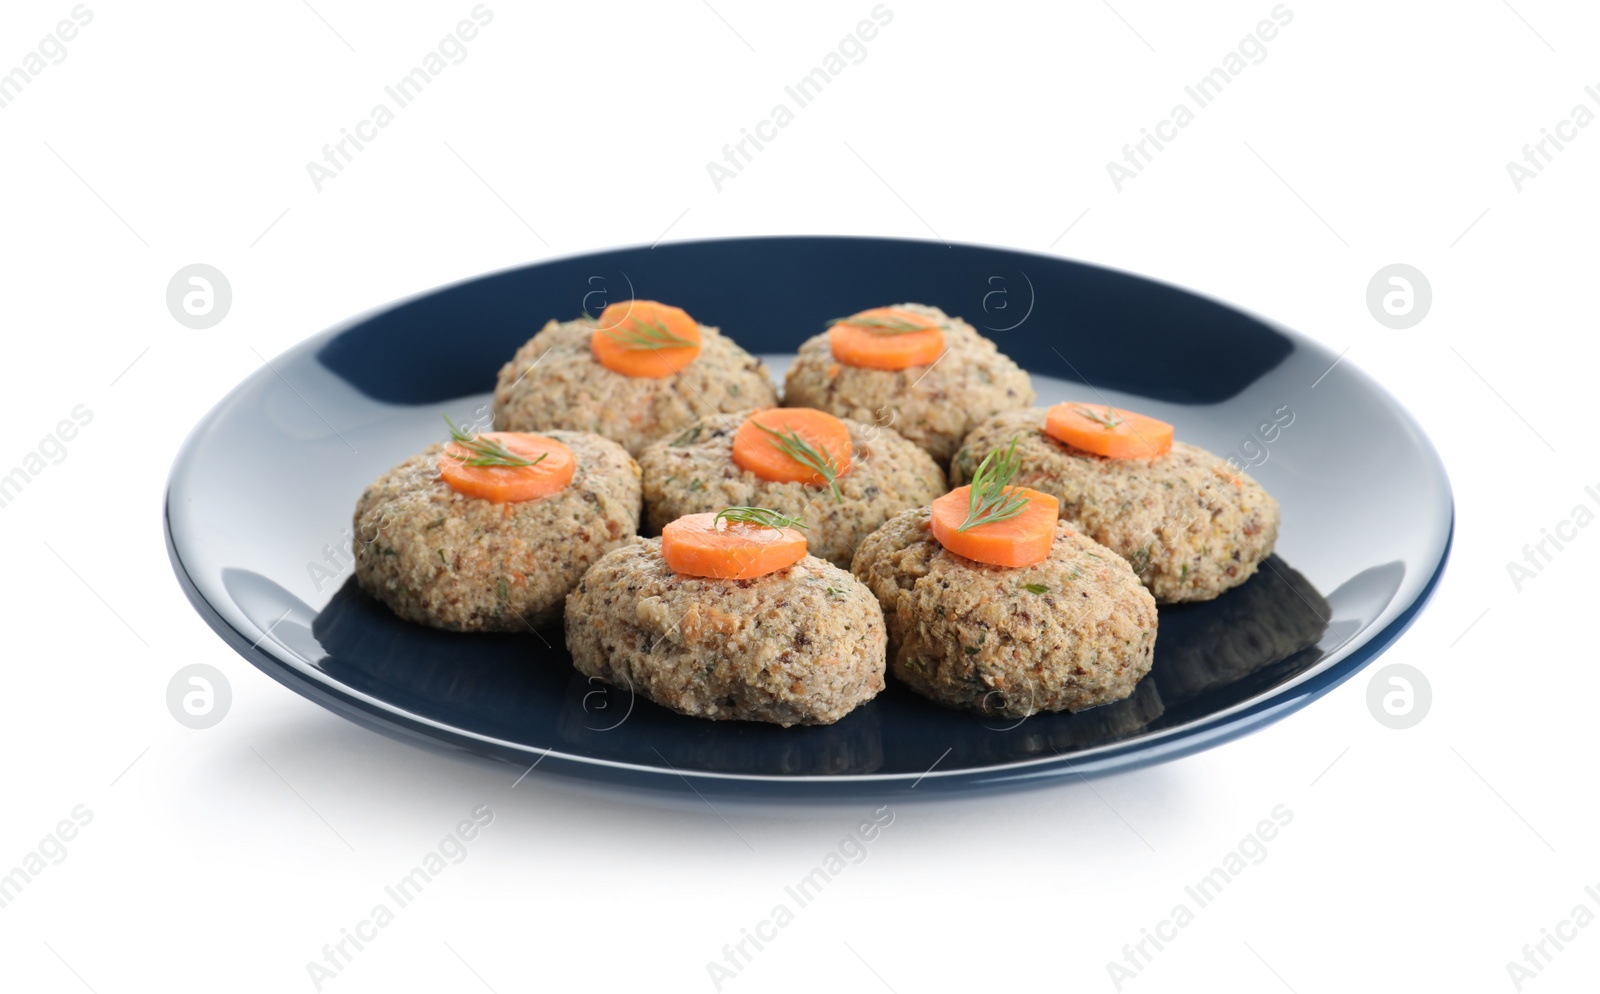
(1214, 729)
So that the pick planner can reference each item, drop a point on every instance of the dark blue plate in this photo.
(259, 505)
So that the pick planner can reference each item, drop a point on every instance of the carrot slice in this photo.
(644, 338)
(700, 545)
(886, 338)
(794, 445)
(1108, 431)
(1021, 540)
(466, 469)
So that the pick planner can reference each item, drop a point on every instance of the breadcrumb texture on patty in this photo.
(694, 472)
(801, 646)
(441, 558)
(554, 381)
(1189, 524)
(1068, 633)
(934, 406)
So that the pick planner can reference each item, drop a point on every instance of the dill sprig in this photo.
(792, 445)
(647, 335)
(764, 516)
(992, 498)
(882, 325)
(1110, 421)
(487, 451)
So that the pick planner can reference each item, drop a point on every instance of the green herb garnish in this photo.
(1035, 588)
(801, 451)
(882, 325)
(646, 336)
(1108, 422)
(764, 516)
(487, 451)
(992, 498)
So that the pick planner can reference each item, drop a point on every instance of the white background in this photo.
(225, 859)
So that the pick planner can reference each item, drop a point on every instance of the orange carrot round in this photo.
(794, 445)
(1108, 431)
(700, 545)
(886, 338)
(1021, 540)
(507, 466)
(645, 338)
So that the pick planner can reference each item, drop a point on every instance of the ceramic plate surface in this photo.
(264, 488)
